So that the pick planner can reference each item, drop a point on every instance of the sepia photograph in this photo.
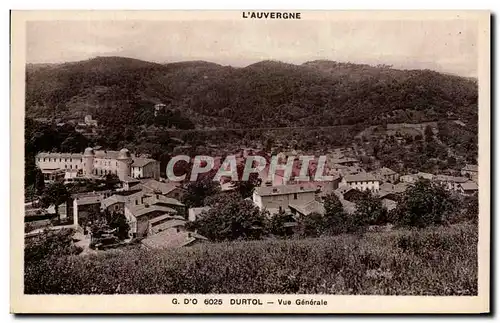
(251, 159)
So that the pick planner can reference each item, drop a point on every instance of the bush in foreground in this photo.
(433, 261)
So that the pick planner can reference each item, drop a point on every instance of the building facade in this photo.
(278, 198)
(361, 182)
(100, 163)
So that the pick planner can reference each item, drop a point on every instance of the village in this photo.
(152, 205)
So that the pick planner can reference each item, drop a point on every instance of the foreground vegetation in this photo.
(433, 261)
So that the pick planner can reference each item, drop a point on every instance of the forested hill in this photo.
(264, 94)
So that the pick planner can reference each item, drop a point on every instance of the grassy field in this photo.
(434, 261)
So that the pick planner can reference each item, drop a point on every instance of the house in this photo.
(392, 191)
(348, 193)
(173, 239)
(168, 189)
(468, 188)
(427, 176)
(166, 223)
(145, 168)
(159, 107)
(362, 182)
(348, 206)
(51, 175)
(387, 174)
(346, 161)
(194, 212)
(451, 183)
(470, 171)
(307, 208)
(409, 178)
(88, 121)
(139, 216)
(389, 204)
(85, 207)
(277, 198)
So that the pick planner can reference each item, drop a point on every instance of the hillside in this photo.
(435, 261)
(264, 94)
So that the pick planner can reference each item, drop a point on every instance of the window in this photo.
(294, 196)
(136, 202)
(71, 166)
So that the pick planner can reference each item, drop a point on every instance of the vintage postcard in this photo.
(250, 161)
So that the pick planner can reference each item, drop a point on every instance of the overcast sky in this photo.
(447, 46)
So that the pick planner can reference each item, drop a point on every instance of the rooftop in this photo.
(455, 179)
(283, 189)
(141, 162)
(470, 168)
(59, 155)
(309, 207)
(168, 240)
(86, 200)
(361, 177)
(154, 185)
(469, 186)
(386, 171)
(143, 209)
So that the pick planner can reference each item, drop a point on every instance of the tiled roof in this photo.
(168, 240)
(143, 209)
(470, 168)
(425, 175)
(59, 155)
(89, 200)
(107, 154)
(113, 199)
(344, 160)
(309, 207)
(168, 224)
(141, 162)
(166, 216)
(129, 179)
(455, 179)
(389, 204)
(469, 186)
(155, 199)
(386, 171)
(362, 177)
(154, 185)
(282, 189)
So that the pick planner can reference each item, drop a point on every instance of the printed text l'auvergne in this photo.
(271, 15)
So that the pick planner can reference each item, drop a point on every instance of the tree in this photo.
(424, 204)
(119, 221)
(311, 225)
(276, 225)
(237, 218)
(111, 180)
(55, 194)
(197, 191)
(246, 187)
(336, 219)
(369, 210)
(429, 134)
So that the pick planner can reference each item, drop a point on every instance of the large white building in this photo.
(362, 182)
(98, 163)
